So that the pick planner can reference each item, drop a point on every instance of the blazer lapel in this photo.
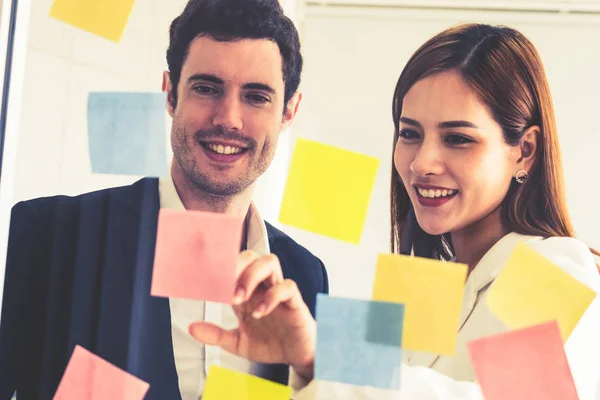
(150, 341)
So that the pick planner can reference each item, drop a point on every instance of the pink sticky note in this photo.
(524, 364)
(196, 255)
(89, 377)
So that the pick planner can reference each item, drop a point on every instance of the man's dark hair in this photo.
(229, 20)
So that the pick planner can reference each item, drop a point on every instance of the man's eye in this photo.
(258, 99)
(203, 89)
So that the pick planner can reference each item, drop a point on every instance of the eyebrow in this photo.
(216, 80)
(442, 125)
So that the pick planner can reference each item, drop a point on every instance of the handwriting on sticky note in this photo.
(359, 342)
(432, 293)
(196, 255)
(223, 383)
(89, 377)
(106, 18)
(328, 190)
(126, 133)
(531, 290)
(524, 364)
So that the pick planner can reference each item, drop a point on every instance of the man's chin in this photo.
(221, 189)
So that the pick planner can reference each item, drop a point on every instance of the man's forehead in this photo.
(236, 62)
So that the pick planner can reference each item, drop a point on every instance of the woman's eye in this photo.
(408, 134)
(457, 139)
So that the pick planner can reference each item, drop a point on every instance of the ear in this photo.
(291, 109)
(527, 148)
(168, 87)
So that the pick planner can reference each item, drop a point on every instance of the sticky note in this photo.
(127, 133)
(359, 342)
(530, 290)
(328, 190)
(106, 18)
(524, 364)
(223, 383)
(89, 377)
(196, 254)
(431, 292)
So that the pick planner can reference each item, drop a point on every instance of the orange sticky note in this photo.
(522, 365)
(89, 377)
(431, 292)
(531, 290)
(223, 383)
(105, 18)
(196, 255)
(328, 191)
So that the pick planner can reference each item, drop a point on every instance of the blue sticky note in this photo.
(127, 133)
(359, 342)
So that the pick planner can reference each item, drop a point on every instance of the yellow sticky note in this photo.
(328, 190)
(106, 18)
(431, 292)
(223, 383)
(530, 290)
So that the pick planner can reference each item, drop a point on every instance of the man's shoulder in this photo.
(64, 203)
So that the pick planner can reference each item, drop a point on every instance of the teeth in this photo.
(218, 148)
(430, 193)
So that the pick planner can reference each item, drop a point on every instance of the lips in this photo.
(224, 148)
(434, 197)
(223, 153)
(435, 193)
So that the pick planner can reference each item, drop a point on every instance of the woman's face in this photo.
(451, 155)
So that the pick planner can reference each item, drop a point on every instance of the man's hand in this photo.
(275, 325)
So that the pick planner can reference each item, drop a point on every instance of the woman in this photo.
(476, 170)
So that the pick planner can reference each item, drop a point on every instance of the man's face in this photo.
(229, 113)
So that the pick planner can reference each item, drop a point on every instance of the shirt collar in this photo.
(257, 239)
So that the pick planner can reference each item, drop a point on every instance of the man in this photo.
(79, 268)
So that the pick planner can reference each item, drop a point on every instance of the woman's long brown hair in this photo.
(505, 70)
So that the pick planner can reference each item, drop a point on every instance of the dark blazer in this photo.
(78, 273)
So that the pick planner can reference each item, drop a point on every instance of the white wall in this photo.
(65, 64)
(353, 60)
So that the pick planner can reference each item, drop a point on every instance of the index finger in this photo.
(245, 259)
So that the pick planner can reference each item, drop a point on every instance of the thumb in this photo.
(214, 335)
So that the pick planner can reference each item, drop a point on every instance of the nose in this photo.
(228, 113)
(428, 160)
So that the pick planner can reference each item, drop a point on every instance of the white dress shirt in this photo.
(192, 359)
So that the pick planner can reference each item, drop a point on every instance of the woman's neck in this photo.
(472, 242)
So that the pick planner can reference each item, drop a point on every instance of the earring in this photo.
(521, 176)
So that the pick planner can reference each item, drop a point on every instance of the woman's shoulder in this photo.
(571, 255)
